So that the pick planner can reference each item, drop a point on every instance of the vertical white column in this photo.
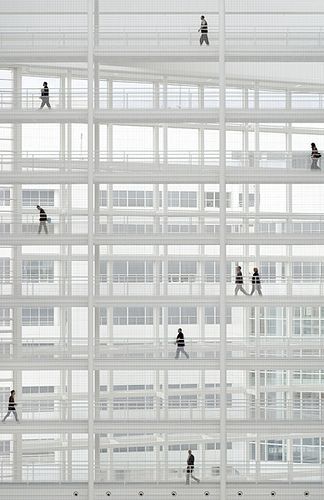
(289, 206)
(222, 243)
(90, 249)
(16, 269)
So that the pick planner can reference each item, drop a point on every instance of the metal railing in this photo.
(117, 37)
(117, 161)
(153, 471)
(184, 284)
(181, 98)
(163, 225)
(147, 405)
(157, 36)
(125, 348)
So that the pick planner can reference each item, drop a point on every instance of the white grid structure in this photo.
(163, 165)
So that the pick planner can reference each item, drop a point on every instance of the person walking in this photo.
(190, 468)
(45, 96)
(315, 155)
(239, 281)
(180, 343)
(256, 282)
(204, 31)
(11, 407)
(42, 220)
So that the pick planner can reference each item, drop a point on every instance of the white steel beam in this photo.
(222, 251)
(266, 428)
(90, 120)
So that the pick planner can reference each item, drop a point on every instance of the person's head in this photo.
(13, 392)
(189, 452)
(38, 207)
(45, 84)
(202, 17)
(179, 330)
(313, 145)
(255, 269)
(238, 268)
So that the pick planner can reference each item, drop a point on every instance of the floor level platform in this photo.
(162, 490)
(235, 427)
(160, 116)
(141, 364)
(160, 174)
(17, 240)
(163, 300)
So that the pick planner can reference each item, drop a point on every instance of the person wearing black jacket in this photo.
(190, 468)
(204, 31)
(256, 282)
(239, 281)
(45, 96)
(315, 155)
(11, 407)
(42, 220)
(180, 343)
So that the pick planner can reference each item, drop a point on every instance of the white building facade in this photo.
(163, 165)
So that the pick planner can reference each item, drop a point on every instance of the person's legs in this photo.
(39, 228)
(205, 39)
(195, 478)
(6, 416)
(185, 353)
(259, 289)
(177, 353)
(182, 350)
(15, 415)
(48, 103)
(201, 39)
(45, 228)
(43, 103)
(187, 476)
(236, 289)
(253, 290)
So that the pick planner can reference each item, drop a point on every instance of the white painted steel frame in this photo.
(222, 250)
(91, 477)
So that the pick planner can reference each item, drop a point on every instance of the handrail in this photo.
(194, 398)
(172, 278)
(183, 97)
(57, 348)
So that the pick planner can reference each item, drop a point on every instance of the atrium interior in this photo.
(162, 163)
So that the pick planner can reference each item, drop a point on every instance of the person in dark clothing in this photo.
(180, 343)
(315, 155)
(11, 407)
(42, 220)
(239, 281)
(204, 31)
(256, 282)
(190, 468)
(45, 96)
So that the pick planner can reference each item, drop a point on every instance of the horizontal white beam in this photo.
(141, 364)
(81, 301)
(127, 55)
(239, 427)
(163, 116)
(26, 239)
(163, 490)
(159, 175)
